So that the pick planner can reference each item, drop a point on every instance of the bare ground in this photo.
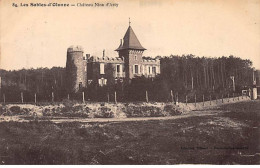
(227, 134)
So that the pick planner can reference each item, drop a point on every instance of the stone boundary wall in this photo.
(108, 110)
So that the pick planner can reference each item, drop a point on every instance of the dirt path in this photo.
(93, 120)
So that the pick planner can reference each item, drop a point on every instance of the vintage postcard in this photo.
(129, 82)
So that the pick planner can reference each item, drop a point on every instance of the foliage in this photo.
(185, 75)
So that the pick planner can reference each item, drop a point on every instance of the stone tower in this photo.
(76, 68)
(131, 50)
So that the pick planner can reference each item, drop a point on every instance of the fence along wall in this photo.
(115, 97)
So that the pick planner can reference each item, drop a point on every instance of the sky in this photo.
(33, 37)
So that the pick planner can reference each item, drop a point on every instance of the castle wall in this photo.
(148, 66)
(110, 69)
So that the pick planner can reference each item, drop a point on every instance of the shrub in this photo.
(171, 110)
(150, 111)
(87, 109)
(77, 108)
(66, 109)
(46, 112)
(15, 109)
(143, 111)
(26, 111)
(104, 112)
(133, 111)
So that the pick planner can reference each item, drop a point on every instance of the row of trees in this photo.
(181, 75)
(207, 74)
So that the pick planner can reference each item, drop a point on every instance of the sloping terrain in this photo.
(229, 136)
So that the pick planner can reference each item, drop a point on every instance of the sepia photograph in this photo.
(129, 82)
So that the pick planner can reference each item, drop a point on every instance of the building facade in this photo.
(85, 70)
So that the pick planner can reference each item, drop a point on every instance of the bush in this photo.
(143, 111)
(77, 108)
(26, 111)
(46, 112)
(15, 109)
(68, 103)
(150, 111)
(104, 112)
(74, 111)
(171, 110)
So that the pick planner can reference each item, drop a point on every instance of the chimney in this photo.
(87, 56)
(103, 53)
(121, 41)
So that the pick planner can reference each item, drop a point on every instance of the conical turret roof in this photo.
(130, 41)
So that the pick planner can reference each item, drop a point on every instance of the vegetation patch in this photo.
(104, 112)
(228, 137)
(172, 110)
(93, 110)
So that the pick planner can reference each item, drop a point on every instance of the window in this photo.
(102, 82)
(150, 71)
(102, 68)
(136, 69)
(135, 57)
(89, 81)
(154, 70)
(80, 85)
(117, 68)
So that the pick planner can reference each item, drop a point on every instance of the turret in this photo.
(131, 51)
(75, 69)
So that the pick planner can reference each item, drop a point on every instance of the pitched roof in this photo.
(130, 41)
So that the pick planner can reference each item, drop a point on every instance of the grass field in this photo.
(230, 136)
